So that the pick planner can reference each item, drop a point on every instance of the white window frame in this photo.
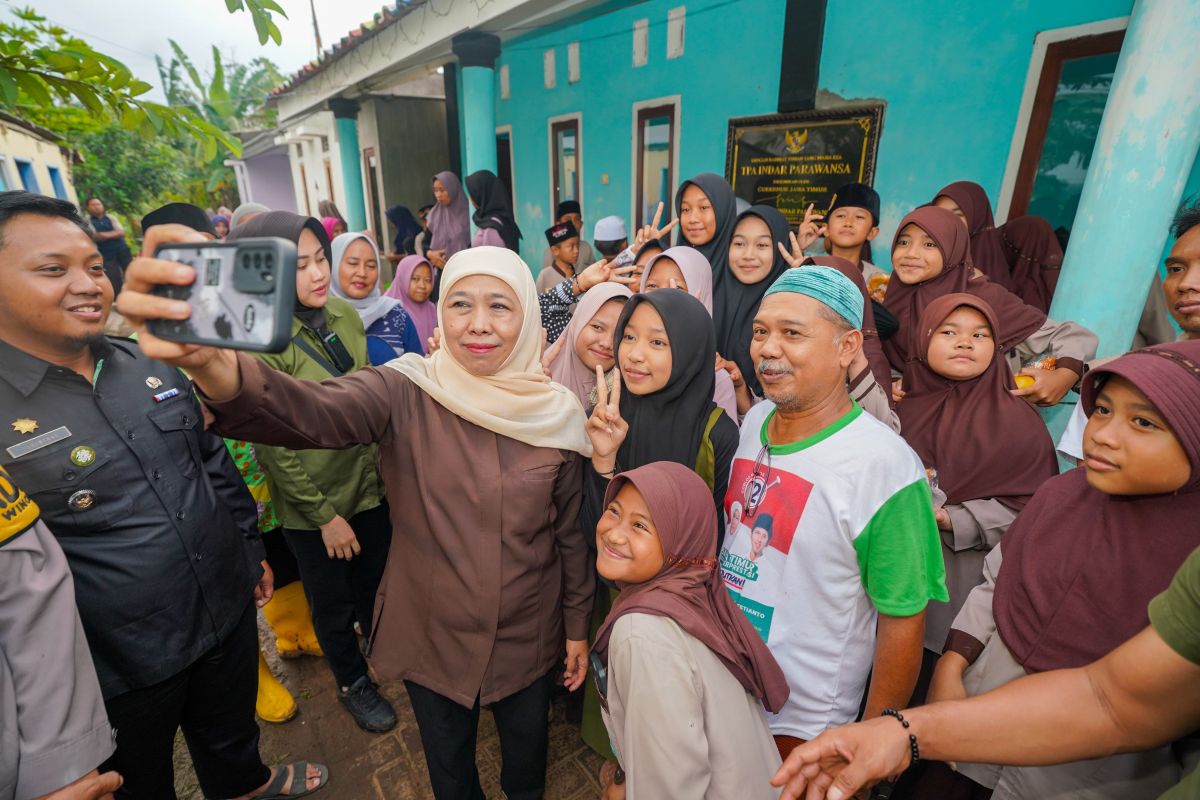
(5, 172)
(505, 82)
(573, 62)
(670, 100)
(1042, 41)
(549, 69)
(577, 117)
(676, 31)
(641, 43)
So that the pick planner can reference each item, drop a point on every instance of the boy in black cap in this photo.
(852, 222)
(569, 211)
(564, 249)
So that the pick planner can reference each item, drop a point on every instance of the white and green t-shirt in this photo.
(821, 536)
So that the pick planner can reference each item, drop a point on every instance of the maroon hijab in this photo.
(1080, 566)
(872, 346)
(689, 589)
(906, 302)
(987, 245)
(983, 441)
(1034, 257)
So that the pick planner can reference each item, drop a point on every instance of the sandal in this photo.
(285, 777)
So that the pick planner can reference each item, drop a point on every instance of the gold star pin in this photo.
(25, 425)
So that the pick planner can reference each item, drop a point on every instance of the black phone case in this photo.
(224, 312)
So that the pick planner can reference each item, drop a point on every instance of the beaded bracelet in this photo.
(912, 739)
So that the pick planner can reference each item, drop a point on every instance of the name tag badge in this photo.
(38, 442)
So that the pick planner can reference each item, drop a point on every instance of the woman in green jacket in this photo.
(330, 502)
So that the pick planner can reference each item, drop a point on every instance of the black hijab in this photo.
(492, 209)
(735, 303)
(668, 425)
(405, 224)
(180, 214)
(724, 204)
(287, 225)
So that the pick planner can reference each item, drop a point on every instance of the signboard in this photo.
(791, 160)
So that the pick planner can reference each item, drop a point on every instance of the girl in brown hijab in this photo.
(1034, 257)
(930, 259)
(683, 674)
(1083, 560)
(989, 450)
(968, 201)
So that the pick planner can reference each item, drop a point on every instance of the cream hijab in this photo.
(519, 401)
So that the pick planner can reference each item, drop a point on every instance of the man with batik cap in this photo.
(564, 242)
(569, 211)
(839, 591)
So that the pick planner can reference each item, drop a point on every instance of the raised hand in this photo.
(550, 353)
(809, 230)
(794, 256)
(433, 343)
(602, 271)
(605, 427)
(651, 232)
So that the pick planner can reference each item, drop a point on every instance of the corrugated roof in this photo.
(386, 16)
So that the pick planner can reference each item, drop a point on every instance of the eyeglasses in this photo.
(759, 483)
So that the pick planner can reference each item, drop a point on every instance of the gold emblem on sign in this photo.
(82, 456)
(25, 425)
(794, 141)
(153, 382)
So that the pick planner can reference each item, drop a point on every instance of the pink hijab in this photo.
(567, 368)
(327, 223)
(697, 272)
(423, 315)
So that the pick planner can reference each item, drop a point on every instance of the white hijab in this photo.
(519, 401)
(374, 306)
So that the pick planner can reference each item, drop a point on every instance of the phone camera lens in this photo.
(257, 260)
(269, 260)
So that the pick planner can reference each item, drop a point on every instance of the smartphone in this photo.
(243, 296)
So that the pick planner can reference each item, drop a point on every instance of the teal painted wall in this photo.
(952, 75)
(730, 68)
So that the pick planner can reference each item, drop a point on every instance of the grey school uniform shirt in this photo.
(53, 728)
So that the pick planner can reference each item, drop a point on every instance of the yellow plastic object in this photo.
(289, 617)
(1023, 381)
(275, 703)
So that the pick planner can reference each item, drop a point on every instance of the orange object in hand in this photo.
(1023, 381)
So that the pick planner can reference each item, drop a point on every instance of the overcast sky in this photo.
(134, 31)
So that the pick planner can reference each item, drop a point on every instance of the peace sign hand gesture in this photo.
(809, 230)
(605, 427)
(794, 256)
(651, 232)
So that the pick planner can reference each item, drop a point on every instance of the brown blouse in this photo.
(488, 567)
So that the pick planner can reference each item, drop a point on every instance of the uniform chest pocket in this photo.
(542, 472)
(180, 428)
(73, 488)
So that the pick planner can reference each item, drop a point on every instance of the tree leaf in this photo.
(8, 88)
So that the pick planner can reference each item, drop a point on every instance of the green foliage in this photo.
(260, 12)
(231, 99)
(43, 66)
(126, 171)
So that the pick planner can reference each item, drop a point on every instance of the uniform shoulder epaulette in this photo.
(18, 512)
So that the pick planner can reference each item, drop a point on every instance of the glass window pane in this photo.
(566, 152)
(656, 165)
(1074, 124)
